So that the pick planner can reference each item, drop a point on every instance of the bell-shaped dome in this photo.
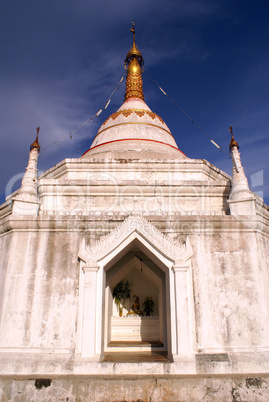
(134, 127)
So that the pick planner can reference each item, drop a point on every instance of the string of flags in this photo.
(200, 128)
(107, 104)
(90, 119)
(186, 114)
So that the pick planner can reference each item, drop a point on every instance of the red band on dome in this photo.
(133, 139)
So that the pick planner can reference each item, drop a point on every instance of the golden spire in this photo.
(233, 143)
(133, 63)
(35, 144)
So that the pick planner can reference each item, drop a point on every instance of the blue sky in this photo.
(61, 59)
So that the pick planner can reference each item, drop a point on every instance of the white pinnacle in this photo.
(241, 199)
(26, 202)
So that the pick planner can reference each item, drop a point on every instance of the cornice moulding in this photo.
(189, 224)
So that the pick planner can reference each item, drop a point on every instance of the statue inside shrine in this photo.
(135, 309)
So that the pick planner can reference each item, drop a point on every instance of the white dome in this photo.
(134, 127)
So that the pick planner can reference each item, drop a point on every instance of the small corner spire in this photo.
(133, 63)
(35, 144)
(241, 200)
(233, 143)
(26, 202)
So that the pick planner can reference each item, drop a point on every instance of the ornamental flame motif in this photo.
(138, 112)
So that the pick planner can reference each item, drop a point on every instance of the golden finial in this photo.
(233, 143)
(35, 144)
(134, 52)
(133, 63)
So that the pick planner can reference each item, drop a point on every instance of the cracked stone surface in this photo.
(144, 389)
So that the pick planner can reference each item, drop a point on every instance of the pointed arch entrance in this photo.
(119, 257)
(127, 327)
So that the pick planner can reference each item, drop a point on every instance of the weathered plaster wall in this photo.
(131, 185)
(145, 389)
(41, 285)
(229, 288)
(40, 274)
(5, 244)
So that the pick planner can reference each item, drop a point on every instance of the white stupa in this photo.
(134, 272)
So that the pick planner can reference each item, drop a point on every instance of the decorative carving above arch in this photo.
(131, 228)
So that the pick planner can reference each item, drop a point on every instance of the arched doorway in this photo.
(128, 325)
(166, 278)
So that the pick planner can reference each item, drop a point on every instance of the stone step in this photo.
(153, 344)
(135, 357)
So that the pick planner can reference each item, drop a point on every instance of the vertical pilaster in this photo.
(89, 313)
(99, 310)
(173, 313)
(184, 310)
(80, 307)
